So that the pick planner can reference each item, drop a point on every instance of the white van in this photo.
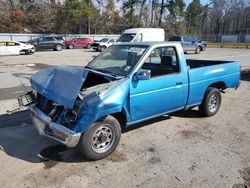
(142, 35)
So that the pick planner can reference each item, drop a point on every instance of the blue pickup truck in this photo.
(127, 83)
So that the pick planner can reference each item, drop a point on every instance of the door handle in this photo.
(179, 83)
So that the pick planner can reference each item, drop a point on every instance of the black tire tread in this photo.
(203, 107)
(85, 142)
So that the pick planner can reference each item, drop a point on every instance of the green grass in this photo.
(229, 45)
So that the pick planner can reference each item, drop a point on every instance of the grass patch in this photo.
(229, 45)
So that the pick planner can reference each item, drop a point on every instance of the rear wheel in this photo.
(101, 139)
(198, 50)
(102, 48)
(71, 46)
(58, 47)
(88, 46)
(211, 102)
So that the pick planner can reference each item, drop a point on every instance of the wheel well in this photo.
(218, 85)
(121, 117)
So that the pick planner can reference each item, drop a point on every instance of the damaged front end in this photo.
(60, 99)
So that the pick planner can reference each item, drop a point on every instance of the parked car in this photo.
(103, 44)
(48, 42)
(15, 48)
(79, 42)
(126, 84)
(188, 43)
(142, 35)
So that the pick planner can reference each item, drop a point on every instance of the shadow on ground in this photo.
(191, 113)
(245, 76)
(19, 139)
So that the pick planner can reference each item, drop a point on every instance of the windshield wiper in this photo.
(110, 73)
(114, 75)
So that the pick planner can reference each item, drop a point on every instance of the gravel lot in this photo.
(183, 150)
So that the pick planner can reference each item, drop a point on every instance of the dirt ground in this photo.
(183, 150)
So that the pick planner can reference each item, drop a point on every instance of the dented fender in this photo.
(109, 102)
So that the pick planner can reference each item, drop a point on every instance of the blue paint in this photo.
(60, 84)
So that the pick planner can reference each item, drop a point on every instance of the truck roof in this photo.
(147, 43)
(136, 30)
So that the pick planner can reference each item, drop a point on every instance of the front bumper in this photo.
(46, 127)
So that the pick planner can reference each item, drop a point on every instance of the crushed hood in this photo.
(60, 84)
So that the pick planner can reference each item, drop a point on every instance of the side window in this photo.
(2, 44)
(138, 38)
(162, 61)
(48, 39)
(12, 44)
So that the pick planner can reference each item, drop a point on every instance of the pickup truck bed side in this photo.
(220, 74)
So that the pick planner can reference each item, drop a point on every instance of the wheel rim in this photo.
(213, 103)
(102, 139)
(58, 47)
(70, 46)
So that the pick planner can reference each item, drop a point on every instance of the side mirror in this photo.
(142, 74)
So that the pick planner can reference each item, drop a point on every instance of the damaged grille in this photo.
(49, 107)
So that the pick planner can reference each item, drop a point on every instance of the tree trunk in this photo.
(152, 12)
(161, 12)
(141, 11)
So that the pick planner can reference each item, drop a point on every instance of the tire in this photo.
(102, 48)
(211, 103)
(71, 46)
(198, 50)
(58, 47)
(88, 46)
(101, 139)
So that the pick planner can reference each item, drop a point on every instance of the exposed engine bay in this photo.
(58, 112)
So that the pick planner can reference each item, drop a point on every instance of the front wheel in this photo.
(211, 102)
(101, 139)
(102, 48)
(58, 47)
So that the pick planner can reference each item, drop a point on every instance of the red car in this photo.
(79, 42)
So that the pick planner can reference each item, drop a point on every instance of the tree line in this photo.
(114, 16)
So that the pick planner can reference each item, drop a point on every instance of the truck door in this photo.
(165, 91)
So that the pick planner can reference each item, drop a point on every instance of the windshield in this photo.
(118, 60)
(127, 37)
(104, 40)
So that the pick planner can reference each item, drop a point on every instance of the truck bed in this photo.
(193, 63)
(204, 73)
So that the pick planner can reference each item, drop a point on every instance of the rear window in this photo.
(80, 39)
(174, 39)
(58, 38)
